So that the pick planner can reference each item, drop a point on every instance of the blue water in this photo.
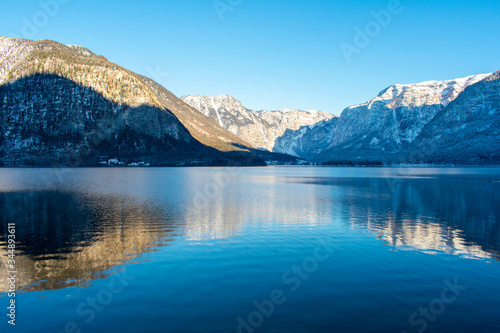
(277, 249)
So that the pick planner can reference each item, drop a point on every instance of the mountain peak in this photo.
(423, 93)
(260, 128)
(201, 102)
(389, 124)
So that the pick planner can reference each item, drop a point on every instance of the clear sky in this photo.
(273, 54)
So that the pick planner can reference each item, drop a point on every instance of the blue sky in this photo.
(274, 54)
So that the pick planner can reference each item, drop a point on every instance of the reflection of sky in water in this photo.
(201, 253)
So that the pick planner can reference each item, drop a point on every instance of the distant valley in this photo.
(260, 128)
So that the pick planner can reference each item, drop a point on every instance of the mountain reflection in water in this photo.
(66, 239)
(440, 213)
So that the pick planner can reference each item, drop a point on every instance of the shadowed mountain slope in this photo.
(54, 80)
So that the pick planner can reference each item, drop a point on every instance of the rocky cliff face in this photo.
(381, 129)
(466, 131)
(47, 118)
(308, 141)
(259, 128)
(58, 101)
(203, 128)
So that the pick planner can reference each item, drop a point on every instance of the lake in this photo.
(272, 249)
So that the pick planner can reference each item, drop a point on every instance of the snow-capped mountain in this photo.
(260, 128)
(399, 112)
(380, 129)
(466, 131)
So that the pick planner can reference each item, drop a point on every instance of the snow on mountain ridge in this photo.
(383, 126)
(80, 49)
(423, 93)
(391, 120)
(260, 128)
(11, 52)
(14, 50)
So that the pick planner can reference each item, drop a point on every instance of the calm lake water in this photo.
(276, 249)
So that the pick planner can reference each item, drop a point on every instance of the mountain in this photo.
(380, 129)
(308, 141)
(259, 128)
(467, 131)
(63, 102)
